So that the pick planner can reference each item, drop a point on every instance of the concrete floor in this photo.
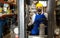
(10, 35)
(7, 36)
(44, 36)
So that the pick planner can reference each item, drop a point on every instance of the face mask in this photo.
(5, 9)
(39, 10)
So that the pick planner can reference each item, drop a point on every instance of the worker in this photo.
(8, 10)
(1, 22)
(0, 9)
(37, 19)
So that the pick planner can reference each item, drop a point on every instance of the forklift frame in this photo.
(51, 21)
(51, 18)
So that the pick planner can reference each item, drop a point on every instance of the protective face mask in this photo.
(5, 9)
(39, 10)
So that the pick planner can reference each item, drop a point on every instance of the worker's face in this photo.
(39, 10)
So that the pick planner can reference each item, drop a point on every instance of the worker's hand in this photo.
(57, 31)
(29, 24)
(0, 14)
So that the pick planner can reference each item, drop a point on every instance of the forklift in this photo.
(24, 16)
